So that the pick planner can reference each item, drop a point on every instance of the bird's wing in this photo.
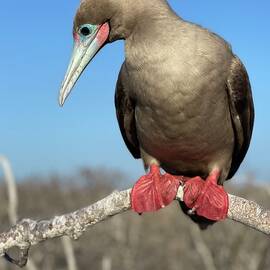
(242, 111)
(125, 111)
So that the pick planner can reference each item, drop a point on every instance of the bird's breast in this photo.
(179, 112)
(179, 88)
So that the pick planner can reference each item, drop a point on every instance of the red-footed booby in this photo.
(183, 100)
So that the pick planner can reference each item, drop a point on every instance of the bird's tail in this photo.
(202, 222)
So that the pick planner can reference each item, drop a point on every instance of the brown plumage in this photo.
(183, 99)
(186, 102)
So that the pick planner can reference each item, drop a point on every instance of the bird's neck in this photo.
(143, 45)
(139, 16)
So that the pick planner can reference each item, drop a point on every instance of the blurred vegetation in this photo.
(165, 240)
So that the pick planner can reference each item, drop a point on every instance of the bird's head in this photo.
(96, 23)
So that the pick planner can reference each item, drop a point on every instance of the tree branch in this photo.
(13, 200)
(249, 213)
(28, 232)
(12, 212)
(69, 252)
(11, 189)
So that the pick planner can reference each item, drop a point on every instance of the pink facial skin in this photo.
(103, 33)
(76, 37)
(101, 37)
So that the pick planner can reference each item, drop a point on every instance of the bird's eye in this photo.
(85, 31)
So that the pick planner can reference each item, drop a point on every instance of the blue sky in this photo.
(36, 42)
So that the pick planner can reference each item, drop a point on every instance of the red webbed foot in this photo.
(154, 191)
(207, 198)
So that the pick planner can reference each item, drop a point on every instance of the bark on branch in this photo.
(29, 232)
(12, 212)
